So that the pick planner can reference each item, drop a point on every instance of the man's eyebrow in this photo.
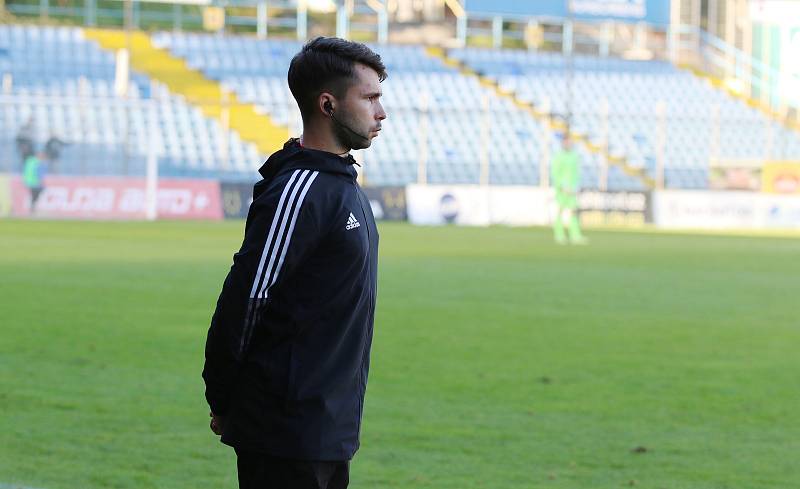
(373, 94)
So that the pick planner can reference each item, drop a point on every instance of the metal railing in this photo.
(741, 72)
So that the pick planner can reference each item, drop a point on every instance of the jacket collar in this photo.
(294, 156)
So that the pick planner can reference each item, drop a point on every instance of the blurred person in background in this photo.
(566, 176)
(52, 152)
(25, 141)
(288, 350)
(33, 177)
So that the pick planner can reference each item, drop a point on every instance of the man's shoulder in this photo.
(318, 188)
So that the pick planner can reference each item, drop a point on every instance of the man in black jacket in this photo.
(287, 353)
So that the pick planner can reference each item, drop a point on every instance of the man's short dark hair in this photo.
(328, 64)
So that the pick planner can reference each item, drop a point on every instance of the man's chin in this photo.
(363, 144)
(372, 136)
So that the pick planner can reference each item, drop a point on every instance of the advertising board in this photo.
(781, 178)
(118, 198)
(614, 208)
(690, 209)
(474, 205)
(388, 203)
(651, 11)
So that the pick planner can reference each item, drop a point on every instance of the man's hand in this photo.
(217, 423)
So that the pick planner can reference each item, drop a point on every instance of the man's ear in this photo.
(327, 103)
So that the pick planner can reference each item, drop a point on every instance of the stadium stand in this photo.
(700, 122)
(419, 87)
(65, 83)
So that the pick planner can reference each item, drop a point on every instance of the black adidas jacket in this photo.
(288, 349)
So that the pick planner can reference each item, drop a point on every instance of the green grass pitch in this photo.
(500, 360)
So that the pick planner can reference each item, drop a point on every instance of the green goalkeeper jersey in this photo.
(566, 177)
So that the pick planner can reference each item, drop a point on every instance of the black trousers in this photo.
(259, 471)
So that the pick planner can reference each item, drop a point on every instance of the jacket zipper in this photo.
(361, 383)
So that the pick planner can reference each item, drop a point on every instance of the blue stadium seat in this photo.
(67, 84)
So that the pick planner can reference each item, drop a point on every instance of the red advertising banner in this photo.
(117, 198)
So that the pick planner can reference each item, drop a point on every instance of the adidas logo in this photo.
(352, 223)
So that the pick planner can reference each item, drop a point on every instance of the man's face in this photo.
(361, 110)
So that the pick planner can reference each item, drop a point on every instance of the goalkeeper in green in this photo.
(566, 176)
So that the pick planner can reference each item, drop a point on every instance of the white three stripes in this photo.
(276, 247)
(271, 235)
(267, 285)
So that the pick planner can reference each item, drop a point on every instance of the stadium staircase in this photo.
(197, 89)
(543, 117)
(720, 85)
